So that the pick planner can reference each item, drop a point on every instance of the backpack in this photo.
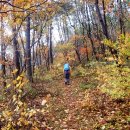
(66, 66)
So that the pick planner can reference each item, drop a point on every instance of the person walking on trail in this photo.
(67, 73)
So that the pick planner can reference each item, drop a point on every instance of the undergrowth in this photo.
(114, 80)
(16, 113)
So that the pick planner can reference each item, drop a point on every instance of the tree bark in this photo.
(3, 68)
(50, 44)
(89, 33)
(104, 28)
(16, 52)
(121, 21)
(104, 25)
(28, 51)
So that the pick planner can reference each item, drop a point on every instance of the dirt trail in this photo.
(65, 109)
(62, 108)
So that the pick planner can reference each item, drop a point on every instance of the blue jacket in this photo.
(66, 66)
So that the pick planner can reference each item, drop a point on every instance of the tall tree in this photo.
(28, 50)
(3, 49)
(50, 44)
(103, 22)
(121, 17)
(16, 51)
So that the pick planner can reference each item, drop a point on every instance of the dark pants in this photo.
(67, 75)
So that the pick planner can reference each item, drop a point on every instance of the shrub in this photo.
(122, 46)
(114, 80)
(17, 114)
(79, 71)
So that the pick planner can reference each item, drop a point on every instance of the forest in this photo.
(38, 38)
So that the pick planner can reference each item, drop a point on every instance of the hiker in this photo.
(67, 73)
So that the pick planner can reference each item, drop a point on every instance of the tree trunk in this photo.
(85, 44)
(16, 52)
(33, 52)
(89, 33)
(3, 68)
(121, 21)
(50, 44)
(104, 16)
(78, 55)
(28, 51)
(104, 28)
(104, 25)
(98, 35)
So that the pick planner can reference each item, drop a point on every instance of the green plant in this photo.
(87, 85)
(114, 80)
(79, 71)
(122, 46)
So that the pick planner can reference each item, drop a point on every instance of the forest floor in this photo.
(70, 107)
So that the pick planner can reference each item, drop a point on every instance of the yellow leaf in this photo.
(22, 75)
(19, 123)
(6, 113)
(14, 98)
(15, 71)
(26, 122)
(19, 78)
(14, 82)
(27, 6)
(23, 113)
(21, 119)
(20, 103)
(8, 86)
(17, 108)
(21, 85)
(9, 126)
(18, 85)
(32, 112)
